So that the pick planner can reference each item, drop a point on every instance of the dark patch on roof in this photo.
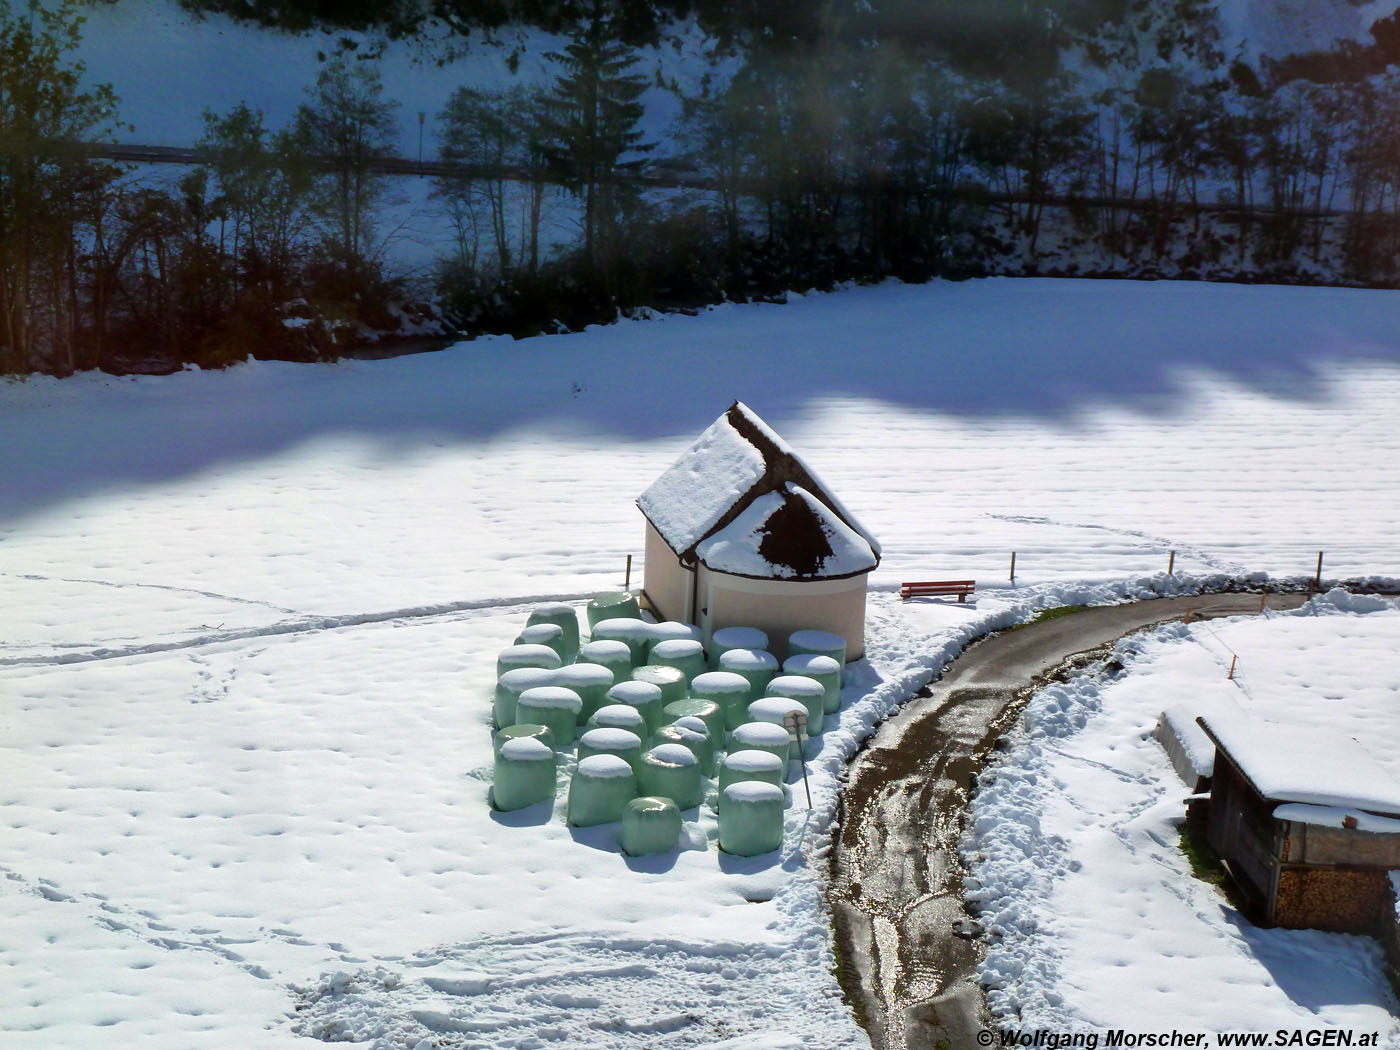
(793, 536)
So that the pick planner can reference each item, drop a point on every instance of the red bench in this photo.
(929, 588)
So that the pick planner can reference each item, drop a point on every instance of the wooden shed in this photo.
(741, 532)
(1306, 822)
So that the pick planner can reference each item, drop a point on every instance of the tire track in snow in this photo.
(304, 625)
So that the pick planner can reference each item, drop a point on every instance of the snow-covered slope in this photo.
(250, 619)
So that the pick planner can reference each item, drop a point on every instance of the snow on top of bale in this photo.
(737, 462)
(635, 692)
(753, 791)
(720, 682)
(751, 733)
(1295, 764)
(672, 755)
(526, 749)
(811, 663)
(604, 767)
(676, 648)
(753, 761)
(610, 738)
(735, 660)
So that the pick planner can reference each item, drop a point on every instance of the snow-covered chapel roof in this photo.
(741, 501)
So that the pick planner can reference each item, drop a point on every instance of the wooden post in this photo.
(1263, 601)
(1013, 566)
(1188, 617)
(1317, 580)
(1231, 675)
(796, 724)
(627, 581)
(1171, 562)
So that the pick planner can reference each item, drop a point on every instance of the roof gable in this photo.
(736, 460)
(789, 535)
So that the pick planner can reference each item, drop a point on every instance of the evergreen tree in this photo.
(590, 139)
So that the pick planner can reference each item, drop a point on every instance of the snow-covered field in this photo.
(250, 618)
(1096, 922)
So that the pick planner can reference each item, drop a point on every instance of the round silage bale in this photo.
(615, 656)
(509, 687)
(671, 771)
(644, 697)
(621, 716)
(672, 631)
(750, 818)
(650, 825)
(729, 690)
(612, 605)
(669, 680)
(553, 706)
(610, 740)
(601, 787)
(590, 681)
(706, 710)
(524, 773)
(698, 742)
(821, 643)
(565, 617)
(763, 766)
(727, 638)
(757, 666)
(762, 736)
(532, 730)
(686, 655)
(822, 668)
(550, 634)
(807, 691)
(635, 634)
(526, 655)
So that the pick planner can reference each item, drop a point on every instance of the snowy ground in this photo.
(1096, 922)
(246, 648)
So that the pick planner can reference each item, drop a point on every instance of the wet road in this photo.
(908, 948)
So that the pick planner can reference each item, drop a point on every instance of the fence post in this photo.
(1171, 562)
(1317, 580)
(1231, 675)
(1013, 566)
(627, 581)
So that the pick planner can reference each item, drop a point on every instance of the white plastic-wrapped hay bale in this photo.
(635, 634)
(822, 668)
(523, 774)
(509, 687)
(590, 681)
(612, 605)
(762, 736)
(644, 697)
(707, 711)
(686, 655)
(820, 643)
(615, 656)
(550, 634)
(757, 666)
(763, 766)
(553, 706)
(669, 680)
(697, 741)
(621, 716)
(565, 617)
(750, 818)
(727, 638)
(673, 631)
(650, 825)
(601, 787)
(526, 655)
(610, 740)
(807, 691)
(776, 709)
(671, 771)
(729, 690)
(532, 730)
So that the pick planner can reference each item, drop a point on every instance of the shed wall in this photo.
(780, 607)
(666, 580)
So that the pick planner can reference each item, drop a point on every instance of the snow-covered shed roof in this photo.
(1315, 767)
(741, 501)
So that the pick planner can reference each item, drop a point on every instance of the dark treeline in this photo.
(857, 141)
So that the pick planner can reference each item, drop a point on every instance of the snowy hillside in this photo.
(251, 618)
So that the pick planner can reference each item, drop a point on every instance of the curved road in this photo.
(907, 948)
